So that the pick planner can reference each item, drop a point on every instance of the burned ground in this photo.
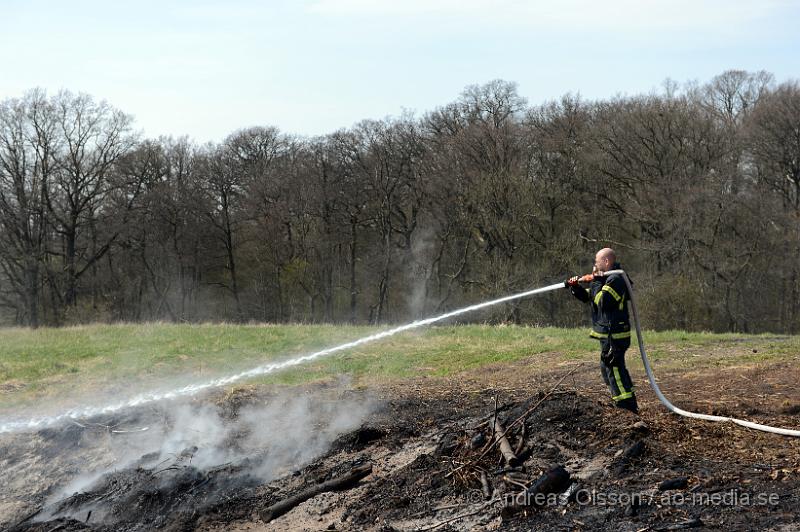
(429, 444)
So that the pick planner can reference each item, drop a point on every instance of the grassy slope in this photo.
(46, 363)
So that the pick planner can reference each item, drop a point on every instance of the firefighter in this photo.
(608, 297)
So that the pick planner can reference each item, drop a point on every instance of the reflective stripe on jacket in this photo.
(608, 297)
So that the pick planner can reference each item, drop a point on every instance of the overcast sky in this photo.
(206, 68)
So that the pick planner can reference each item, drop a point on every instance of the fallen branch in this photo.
(485, 487)
(521, 442)
(341, 482)
(460, 516)
(554, 481)
(28, 517)
(515, 482)
(505, 447)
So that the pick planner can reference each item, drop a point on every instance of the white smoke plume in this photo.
(417, 272)
(280, 434)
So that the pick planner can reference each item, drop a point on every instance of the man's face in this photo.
(601, 263)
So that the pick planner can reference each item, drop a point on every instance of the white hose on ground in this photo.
(673, 408)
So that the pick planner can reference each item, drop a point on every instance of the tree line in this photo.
(697, 186)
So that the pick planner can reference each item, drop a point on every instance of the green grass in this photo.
(39, 364)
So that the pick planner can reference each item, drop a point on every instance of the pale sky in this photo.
(206, 68)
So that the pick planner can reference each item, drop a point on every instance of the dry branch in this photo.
(554, 481)
(505, 447)
(485, 487)
(460, 516)
(341, 482)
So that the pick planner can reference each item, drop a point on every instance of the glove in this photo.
(572, 281)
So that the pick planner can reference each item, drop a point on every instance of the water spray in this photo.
(192, 389)
(265, 369)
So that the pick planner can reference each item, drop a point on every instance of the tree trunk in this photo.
(353, 287)
(69, 294)
(383, 286)
(232, 268)
(32, 293)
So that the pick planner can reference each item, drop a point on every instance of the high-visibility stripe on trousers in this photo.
(612, 366)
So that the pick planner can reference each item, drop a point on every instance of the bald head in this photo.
(604, 259)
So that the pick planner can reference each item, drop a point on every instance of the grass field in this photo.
(42, 364)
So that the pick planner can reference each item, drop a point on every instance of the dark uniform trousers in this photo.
(615, 374)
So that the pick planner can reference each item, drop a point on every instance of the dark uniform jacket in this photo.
(609, 299)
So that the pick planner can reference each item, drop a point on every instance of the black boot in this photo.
(629, 404)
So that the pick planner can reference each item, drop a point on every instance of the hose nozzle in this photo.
(572, 281)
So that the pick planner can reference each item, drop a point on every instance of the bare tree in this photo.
(734, 94)
(28, 148)
(92, 137)
(774, 144)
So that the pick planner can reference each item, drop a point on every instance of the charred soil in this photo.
(436, 466)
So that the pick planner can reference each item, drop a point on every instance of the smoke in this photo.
(419, 270)
(276, 436)
(299, 429)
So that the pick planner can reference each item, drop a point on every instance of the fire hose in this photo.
(649, 370)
